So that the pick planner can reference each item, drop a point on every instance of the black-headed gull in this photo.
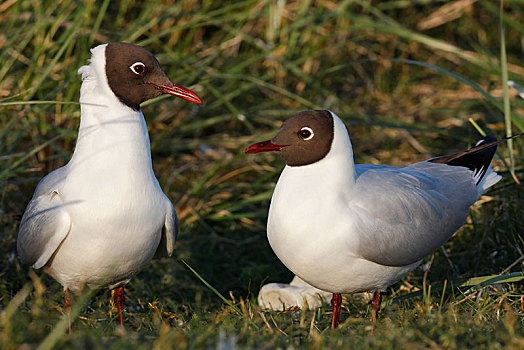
(99, 220)
(346, 228)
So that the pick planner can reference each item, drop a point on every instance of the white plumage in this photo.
(347, 228)
(99, 219)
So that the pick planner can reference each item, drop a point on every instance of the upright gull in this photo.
(99, 220)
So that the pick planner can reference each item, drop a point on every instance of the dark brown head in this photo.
(135, 76)
(303, 139)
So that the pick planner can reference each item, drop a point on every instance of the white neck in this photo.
(114, 132)
(113, 137)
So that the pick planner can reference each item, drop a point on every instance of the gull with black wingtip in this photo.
(346, 228)
(99, 220)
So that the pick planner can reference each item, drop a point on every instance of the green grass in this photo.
(405, 89)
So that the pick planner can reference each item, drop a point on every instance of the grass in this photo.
(405, 76)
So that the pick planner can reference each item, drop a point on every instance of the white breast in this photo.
(116, 205)
(311, 230)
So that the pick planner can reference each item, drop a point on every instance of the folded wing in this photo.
(169, 232)
(44, 226)
(406, 213)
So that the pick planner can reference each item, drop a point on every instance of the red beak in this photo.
(264, 146)
(179, 91)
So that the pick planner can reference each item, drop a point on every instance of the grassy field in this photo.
(411, 80)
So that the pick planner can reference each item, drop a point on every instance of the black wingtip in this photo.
(477, 158)
(485, 140)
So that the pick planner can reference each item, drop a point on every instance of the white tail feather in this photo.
(489, 179)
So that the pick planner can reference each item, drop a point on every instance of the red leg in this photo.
(119, 301)
(336, 303)
(377, 299)
(67, 306)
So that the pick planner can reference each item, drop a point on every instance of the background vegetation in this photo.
(406, 76)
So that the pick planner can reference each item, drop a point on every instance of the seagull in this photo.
(348, 228)
(98, 220)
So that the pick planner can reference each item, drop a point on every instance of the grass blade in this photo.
(475, 282)
(60, 328)
(505, 93)
(211, 288)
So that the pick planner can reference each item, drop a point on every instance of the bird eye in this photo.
(138, 68)
(306, 133)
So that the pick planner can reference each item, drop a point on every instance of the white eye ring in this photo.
(134, 66)
(306, 133)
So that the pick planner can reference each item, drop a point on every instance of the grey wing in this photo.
(169, 232)
(404, 214)
(44, 226)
